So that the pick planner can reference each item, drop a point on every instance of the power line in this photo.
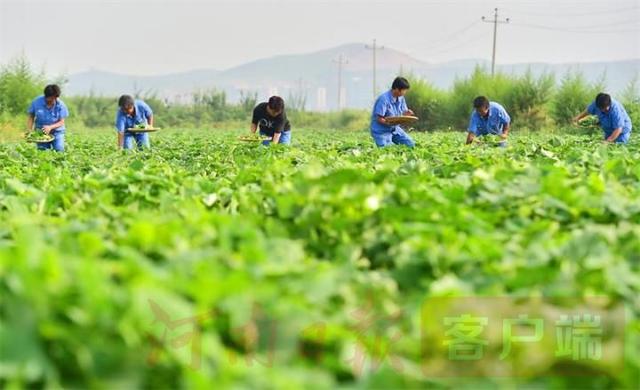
(573, 14)
(444, 43)
(577, 31)
(607, 26)
(375, 49)
(592, 27)
(461, 44)
(444, 39)
(495, 22)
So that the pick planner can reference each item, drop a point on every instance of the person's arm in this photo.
(506, 123)
(470, 138)
(471, 130)
(614, 136)
(580, 116)
(120, 140)
(49, 128)
(148, 113)
(590, 110)
(279, 128)
(30, 122)
(405, 109)
(31, 117)
(380, 110)
(617, 123)
(255, 119)
(120, 124)
(64, 112)
(382, 121)
(505, 130)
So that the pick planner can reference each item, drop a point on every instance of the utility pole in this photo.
(374, 48)
(495, 22)
(340, 61)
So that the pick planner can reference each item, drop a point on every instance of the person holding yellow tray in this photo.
(391, 104)
(133, 114)
(48, 114)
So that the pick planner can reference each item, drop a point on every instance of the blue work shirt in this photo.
(493, 124)
(387, 105)
(141, 115)
(45, 116)
(616, 118)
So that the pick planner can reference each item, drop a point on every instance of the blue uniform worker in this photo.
(132, 113)
(488, 118)
(614, 120)
(391, 103)
(48, 113)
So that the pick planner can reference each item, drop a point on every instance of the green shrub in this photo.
(526, 100)
(430, 104)
(349, 120)
(19, 85)
(479, 83)
(572, 97)
(630, 98)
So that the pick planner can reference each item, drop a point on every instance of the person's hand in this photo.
(504, 136)
(46, 129)
(409, 112)
(575, 121)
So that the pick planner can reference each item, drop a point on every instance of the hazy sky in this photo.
(156, 37)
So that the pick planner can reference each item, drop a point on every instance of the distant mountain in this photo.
(112, 84)
(315, 75)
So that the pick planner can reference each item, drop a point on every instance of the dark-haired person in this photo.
(391, 103)
(488, 118)
(131, 113)
(271, 118)
(48, 112)
(614, 120)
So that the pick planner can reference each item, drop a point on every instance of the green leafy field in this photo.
(282, 253)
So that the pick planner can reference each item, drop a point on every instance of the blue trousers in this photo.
(395, 137)
(57, 144)
(285, 138)
(622, 138)
(141, 140)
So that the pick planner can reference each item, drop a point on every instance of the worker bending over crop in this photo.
(488, 118)
(270, 117)
(613, 118)
(47, 113)
(133, 114)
